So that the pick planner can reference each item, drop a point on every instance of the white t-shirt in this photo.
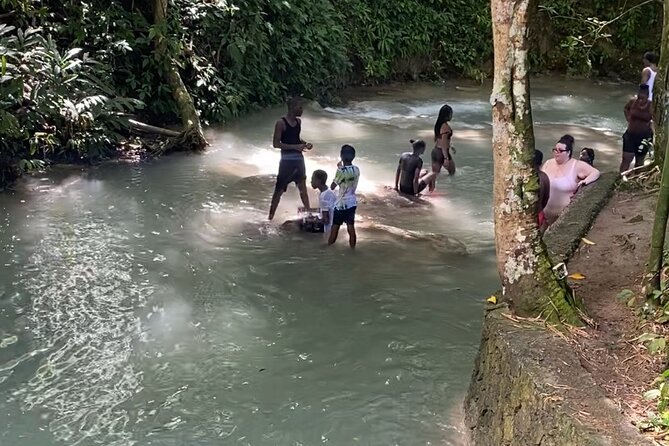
(327, 202)
(347, 179)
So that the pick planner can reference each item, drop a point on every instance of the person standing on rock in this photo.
(291, 167)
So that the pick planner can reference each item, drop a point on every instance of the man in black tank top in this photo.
(291, 168)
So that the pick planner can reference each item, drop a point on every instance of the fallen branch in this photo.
(638, 170)
(146, 128)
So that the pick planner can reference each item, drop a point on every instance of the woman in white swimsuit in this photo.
(566, 176)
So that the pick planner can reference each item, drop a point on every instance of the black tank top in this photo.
(291, 135)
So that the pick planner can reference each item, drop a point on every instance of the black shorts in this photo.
(437, 156)
(409, 190)
(637, 143)
(290, 171)
(342, 216)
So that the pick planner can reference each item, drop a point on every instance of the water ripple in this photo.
(82, 314)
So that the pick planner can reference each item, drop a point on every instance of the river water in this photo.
(152, 304)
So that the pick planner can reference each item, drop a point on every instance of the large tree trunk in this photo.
(657, 242)
(660, 93)
(193, 136)
(522, 259)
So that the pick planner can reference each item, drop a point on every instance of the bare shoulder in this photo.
(548, 166)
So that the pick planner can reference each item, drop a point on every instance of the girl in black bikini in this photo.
(441, 154)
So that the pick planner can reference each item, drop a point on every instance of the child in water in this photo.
(587, 155)
(318, 220)
(326, 199)
(346, 179)
(410, 179)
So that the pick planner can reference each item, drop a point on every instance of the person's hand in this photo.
(582, 183)
(453, 149)
(303, 148)
(340, 164)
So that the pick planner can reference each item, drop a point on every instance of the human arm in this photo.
(397, 175)
(645, 75)
(337, 179)
(586, 173)
(416, 176)
(327, 203)
(627, 109)
(279, 127)
(544, 190)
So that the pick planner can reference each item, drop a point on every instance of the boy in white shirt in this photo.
(318, 220)
(326, 199)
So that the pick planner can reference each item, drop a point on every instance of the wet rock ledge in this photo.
(528, 385)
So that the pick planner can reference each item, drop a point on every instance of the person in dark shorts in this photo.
(544, 189)
(291, 167)
(638, 137)
(346, 179)
(410, 178)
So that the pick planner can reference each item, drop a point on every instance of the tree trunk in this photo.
(657, 241)
(660, 93)
(522, 259)
(193, 136)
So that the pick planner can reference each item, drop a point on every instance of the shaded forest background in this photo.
(72, 71)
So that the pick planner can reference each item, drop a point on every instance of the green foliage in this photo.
(236, 55)
(54, 104)
(658, 422)
(407, 38)
(597, 37)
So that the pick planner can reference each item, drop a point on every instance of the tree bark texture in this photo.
(193, 136)
(522, 259)
(658, 237)
(660, 93)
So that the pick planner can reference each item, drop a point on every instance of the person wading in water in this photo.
(441, 154)
(291, 167)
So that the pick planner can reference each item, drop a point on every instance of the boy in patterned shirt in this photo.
(346, 179)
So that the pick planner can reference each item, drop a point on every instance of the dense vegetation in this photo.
(71, 70)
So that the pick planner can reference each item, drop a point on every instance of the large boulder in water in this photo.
(442, 242)
(256, 183)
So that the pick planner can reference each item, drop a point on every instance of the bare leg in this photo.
(450, 166)
(431, 186)
(276, 198)
(428, 177)
(626, 161)
(352, 237)
(333, 234)
(304, 195)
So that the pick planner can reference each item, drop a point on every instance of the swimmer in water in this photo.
(410, 178)
(291, 167)
(317, 220)
(588, 156)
